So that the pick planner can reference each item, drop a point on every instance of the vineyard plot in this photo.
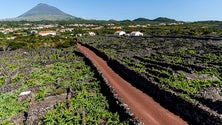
(51, 86)
(189, 67)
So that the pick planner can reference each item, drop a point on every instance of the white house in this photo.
(34, 32)
(79, 35)
(11, 38)
(136, 33)
(47, 32)
(92, 33)
(120, 33)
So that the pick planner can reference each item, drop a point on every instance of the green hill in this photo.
(164, 19)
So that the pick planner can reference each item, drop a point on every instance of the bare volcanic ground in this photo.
(142, 106)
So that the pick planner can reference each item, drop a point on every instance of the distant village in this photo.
(70, 29)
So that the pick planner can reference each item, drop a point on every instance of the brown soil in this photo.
(141, 105)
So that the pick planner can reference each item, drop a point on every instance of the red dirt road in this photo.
(141, 105)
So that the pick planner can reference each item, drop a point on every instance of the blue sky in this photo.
(185, 10)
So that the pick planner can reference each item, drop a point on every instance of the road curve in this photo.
(141, 105)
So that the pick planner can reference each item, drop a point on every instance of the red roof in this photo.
(46, 32)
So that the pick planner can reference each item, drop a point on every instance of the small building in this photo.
(92, 34)
(136, 33)
(47, 32)
(120, 33)
(34, 32)
(11, 38)
(79, 35)
(162, 24)
(116, 27)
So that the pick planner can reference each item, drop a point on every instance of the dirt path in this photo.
(142, 106)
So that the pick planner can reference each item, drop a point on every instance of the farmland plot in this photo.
(51, 86)
(189, 67)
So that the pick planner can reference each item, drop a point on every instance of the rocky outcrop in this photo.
(37, 110)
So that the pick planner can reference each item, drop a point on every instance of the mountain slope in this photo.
(141, 20)
(164, 19)
(44, 12)
(157, 20)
